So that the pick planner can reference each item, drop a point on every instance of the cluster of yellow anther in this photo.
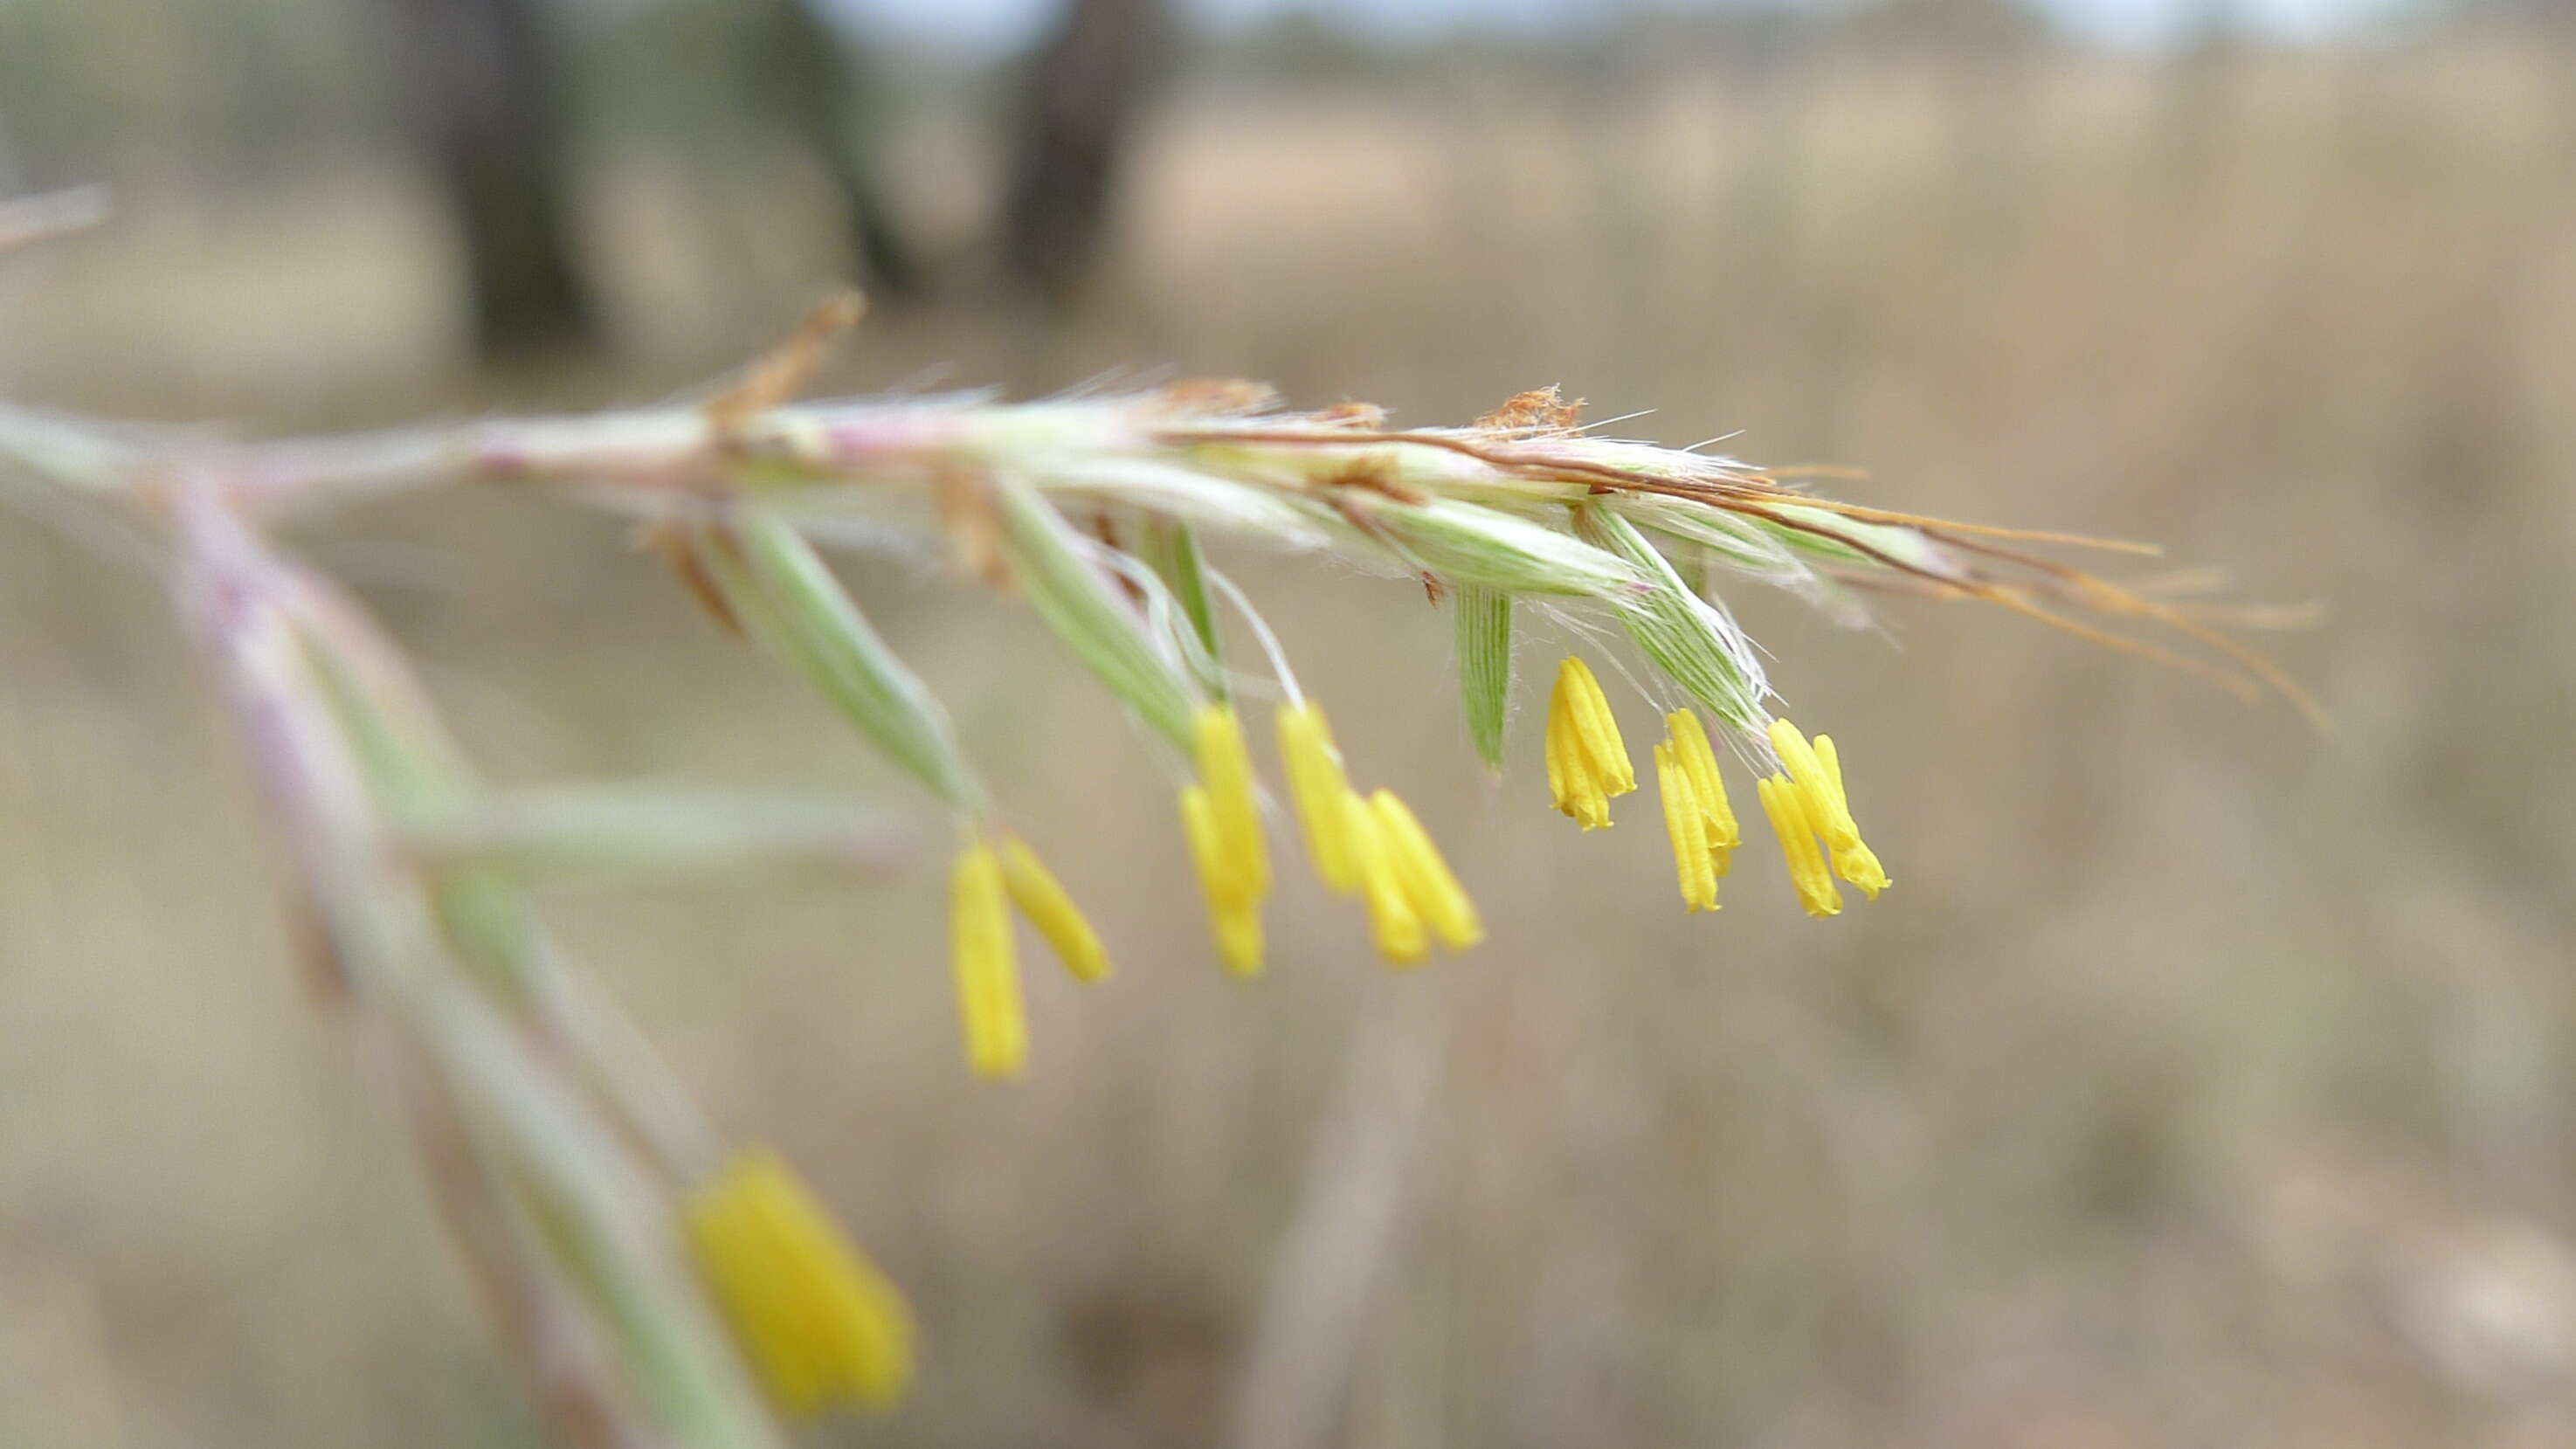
(990, 1010)
(1806, 803)
(816, 1321)
(1696, 812)
(1587, 762)
(1222, 816)
(1372, 847)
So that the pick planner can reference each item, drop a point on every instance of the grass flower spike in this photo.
(817, 1322)
(990, 1011)
(1088, 511)
(1587, 762)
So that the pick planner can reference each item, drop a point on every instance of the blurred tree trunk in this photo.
(819, 84)
(481, 82)
(1082, 95)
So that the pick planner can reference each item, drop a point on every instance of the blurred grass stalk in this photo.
(550, 1174)
(560, 1151)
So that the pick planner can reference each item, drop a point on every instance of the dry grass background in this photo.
(2204, 1081)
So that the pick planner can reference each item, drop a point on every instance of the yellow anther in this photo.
(1428, 882)
(1225, 768)
(989, 1009)
(1832, 761)
(1041, 898)
(1595, 726)
(1799, 759)
(1692, 753)
(1570, 779)
(1687, 821)
(1587, 761)
(1393, 922)
(1822, 783)
(1317, 785)
(1239, 940)
(1854, 862)
(1793, 821)
(1233, 899)
(816, 1321)
(1217, 880)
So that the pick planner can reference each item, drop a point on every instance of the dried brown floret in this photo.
(783, 372)
(675, 543)
(974, 528)
(1205, 396)
(1358, 415)
(1371, 473)
(1540, 410)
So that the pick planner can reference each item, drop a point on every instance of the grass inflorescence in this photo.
(662, 1284)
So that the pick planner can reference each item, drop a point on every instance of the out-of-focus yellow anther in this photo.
(1793, 821)
(1317, 784)
(1428, 882)
(1819, 775)
(1225, 768)
(1697, 760)
(989, 1009)
(1233, 899)
(1222, 814)
(1693, 861)
(816, 1321)
(1393, 922)
(1041, 898)
(1239, 940)
(1587, 762)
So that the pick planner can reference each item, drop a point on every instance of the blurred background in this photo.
(2206, 1080)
